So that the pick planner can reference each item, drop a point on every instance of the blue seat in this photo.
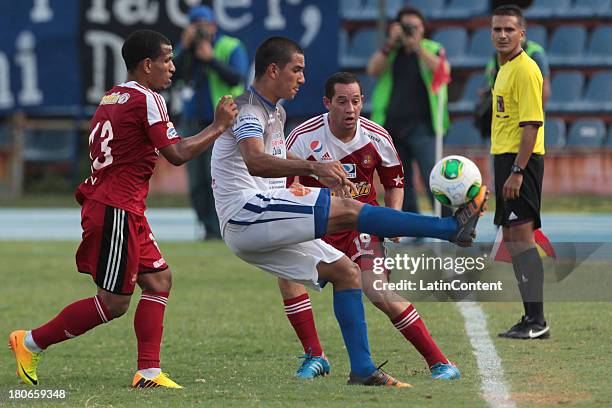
(462, 132)
(599, 51)
(454, 40)
(6, 139)
(566, 91)
(50, 145)
(480, 48)
(567, 44)
(462, 9)
(360, 48)
(585, 8)
(538, 34)
(368, 83)
(470, 95)
(359, 10)
(430, 8)
(554, 133)
(546, 8)
(609, 140)
(587, 133)
(598, 95)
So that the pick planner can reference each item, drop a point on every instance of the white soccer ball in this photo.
(455, 180)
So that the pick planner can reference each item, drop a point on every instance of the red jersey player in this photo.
(362, 147)
(128, 132)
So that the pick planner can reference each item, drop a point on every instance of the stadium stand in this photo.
(454, 40)
(359, 9)
(587, 133)
(609, 139)
(463, 9)
(585, 8)
(567, 44)
(462, 132)
(554, 131)
(598, 95)
(469, 96)
(430, 8)
(49, 145)
(358, 49)
(480, 49)
(367, 89)
(546, 8)
(538, 34)
(599, 51)
(566, 91)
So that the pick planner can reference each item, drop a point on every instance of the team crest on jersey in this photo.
(351, 170)
(316, 146)
(171, 132)
(367, 161)
(123, 98)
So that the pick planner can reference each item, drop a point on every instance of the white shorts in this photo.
(277, 231)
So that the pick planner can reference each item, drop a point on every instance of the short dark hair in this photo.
(510, 10)
(275, 50)
(140, 45)
(340, 78)
(410, 11)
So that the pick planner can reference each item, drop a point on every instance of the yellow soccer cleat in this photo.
(27, 361)
(162, 380)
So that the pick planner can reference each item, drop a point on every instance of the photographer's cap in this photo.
(201, 13)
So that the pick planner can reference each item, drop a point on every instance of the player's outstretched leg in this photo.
(74, 320)
(347, 215)
(349, 311)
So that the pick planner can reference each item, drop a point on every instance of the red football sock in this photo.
(74, 320)
(409, 323)
(299, 313)
(149, 325)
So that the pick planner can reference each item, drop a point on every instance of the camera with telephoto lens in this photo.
(409, 29)
(200, 35)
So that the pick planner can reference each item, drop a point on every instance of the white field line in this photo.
(495, 390)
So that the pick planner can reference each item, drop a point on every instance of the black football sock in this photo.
(521, 286)
(529, 263)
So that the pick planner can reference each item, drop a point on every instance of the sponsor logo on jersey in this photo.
(123, 98)
(326, 156)
(316, 146)
(363, 189)
(160, 262)
(373, 137)
(171, 132)
(351, 170)
(110, 99)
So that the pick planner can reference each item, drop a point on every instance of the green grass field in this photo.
(228, 342)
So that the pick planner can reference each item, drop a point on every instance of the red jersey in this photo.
(129, 127)
(370, 150)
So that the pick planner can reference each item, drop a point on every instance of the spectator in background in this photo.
(403, 101)
(210, 65)
(484, 109)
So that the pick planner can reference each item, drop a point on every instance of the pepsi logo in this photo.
(316, 146)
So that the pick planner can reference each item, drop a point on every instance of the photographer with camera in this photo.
(209, 65)
(403, 101)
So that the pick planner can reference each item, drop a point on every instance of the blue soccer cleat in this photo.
(448, 371)
(313, 366)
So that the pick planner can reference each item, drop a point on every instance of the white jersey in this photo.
(232, 184)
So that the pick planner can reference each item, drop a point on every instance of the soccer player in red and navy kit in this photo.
(129, 130)
(363, 147)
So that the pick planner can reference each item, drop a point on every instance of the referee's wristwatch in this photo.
(516, 169)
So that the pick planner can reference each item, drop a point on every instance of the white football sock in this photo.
(150, 373)
(30, 344)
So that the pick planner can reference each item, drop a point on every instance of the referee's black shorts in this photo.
(527, 207)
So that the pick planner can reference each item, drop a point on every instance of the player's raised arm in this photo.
(188, 148)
